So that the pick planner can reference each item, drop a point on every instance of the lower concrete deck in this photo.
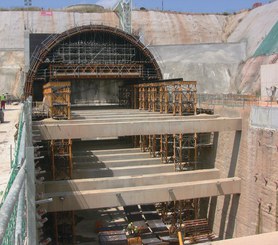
(101, 185)
(92, 199)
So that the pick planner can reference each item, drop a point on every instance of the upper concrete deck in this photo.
(93, 124)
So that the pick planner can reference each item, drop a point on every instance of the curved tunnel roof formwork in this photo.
(91, 52)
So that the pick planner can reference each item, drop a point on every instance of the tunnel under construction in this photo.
(122, 155)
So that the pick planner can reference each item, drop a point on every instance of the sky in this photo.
(203, 6)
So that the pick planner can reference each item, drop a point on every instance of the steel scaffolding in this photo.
(61, 159)
(178, 98)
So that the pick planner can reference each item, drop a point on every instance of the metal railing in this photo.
(227, 100)
(16, 224)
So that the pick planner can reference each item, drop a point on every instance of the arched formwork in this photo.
(91, 52)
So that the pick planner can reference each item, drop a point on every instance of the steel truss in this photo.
(96, 71)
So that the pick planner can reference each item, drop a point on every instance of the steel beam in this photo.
(104, 198)
(84, 130)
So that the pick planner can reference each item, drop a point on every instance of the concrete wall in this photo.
(213, 66)
(264, 117)
(256, 165)
(13, 24)
(269, 77)
(97, 91)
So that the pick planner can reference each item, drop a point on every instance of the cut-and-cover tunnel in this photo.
(117, 157)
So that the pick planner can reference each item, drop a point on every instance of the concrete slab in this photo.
(127, 181)
(91, 199)
(113, 151)
(117, 163)
(123, 156)
(84, 130)
(122, 171)
(119, 115)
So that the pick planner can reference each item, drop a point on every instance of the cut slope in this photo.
(270, 44)
(168, 28)
(255, 26)
(213, 66)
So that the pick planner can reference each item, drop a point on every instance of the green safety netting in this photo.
(9, 237)
(270, 43)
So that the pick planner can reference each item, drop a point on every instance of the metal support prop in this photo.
(73, 227)
(70, 158)
(180, 238)
(56, 227)
(52, 159)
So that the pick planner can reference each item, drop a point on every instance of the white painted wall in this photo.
(269, 78)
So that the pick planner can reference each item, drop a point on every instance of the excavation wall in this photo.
(213, 66)
(252, 156)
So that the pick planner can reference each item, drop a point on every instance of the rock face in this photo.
(221, 68)
(213, 66)
(168, 28)
(248, 78)
(11, 72)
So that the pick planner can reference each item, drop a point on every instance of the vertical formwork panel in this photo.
(57, 99)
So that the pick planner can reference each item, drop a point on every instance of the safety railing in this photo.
(17, 220)
(227, 100)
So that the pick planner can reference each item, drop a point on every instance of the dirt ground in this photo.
(7, 131)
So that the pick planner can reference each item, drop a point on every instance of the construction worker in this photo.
(130, 228)
(3, 101)
(136, 231)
